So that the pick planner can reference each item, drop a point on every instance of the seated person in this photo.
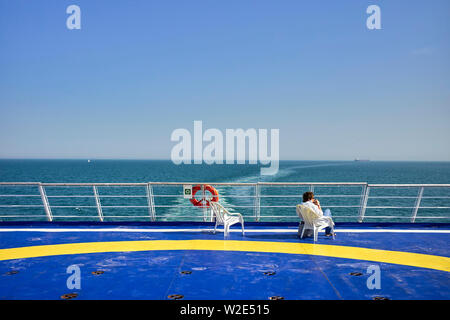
(314, 204)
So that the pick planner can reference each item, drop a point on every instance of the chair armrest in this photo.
(236, 214)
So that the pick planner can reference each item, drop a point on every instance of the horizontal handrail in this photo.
(416, 185)
(88, 184)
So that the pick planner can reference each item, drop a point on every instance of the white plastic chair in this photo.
(226, 218)
(313, 221)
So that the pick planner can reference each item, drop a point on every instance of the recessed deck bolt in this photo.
(186, 272)
(269, 273)
(9, 273)
(175, 296)
(380, 298)
(356, 274)
(276, 298)
(98, 272)
(69, 296)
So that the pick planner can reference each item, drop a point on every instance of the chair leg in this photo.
(303, 232)
(226, 229)
(215, 227)
(242, 224)
(316, 234)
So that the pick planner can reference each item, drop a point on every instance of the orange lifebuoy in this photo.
(199, 203)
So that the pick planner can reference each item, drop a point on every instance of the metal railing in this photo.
(273, 201)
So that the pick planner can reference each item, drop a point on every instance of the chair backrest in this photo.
(299, 211)
(307, 214)
(218, 210)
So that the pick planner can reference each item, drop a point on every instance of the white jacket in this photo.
(312, 206)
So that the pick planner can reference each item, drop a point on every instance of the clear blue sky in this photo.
(139, 69)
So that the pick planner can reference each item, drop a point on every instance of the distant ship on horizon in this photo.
(358, 159)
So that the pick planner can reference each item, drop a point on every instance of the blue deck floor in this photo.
(217, 274)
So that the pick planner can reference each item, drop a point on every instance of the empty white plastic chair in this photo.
(313, 221)
(226, 218)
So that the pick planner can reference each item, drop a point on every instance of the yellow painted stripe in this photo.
(357, 253)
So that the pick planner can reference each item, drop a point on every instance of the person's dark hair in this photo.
(308, 196)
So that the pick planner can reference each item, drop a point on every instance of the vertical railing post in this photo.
(257, 203)
(210, 213)
(417, 205)
(48, 210)
(362, 211)
(361, 200)
(204, 207)
(311, 188)
(98, 203)
(151, 202)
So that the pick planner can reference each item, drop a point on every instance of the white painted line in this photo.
(286, 230)
(138, 230)
(391, 231)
